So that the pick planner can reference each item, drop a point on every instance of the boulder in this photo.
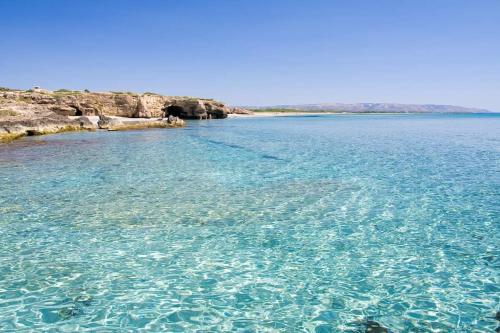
(175, 121)
(86, 124)
(106, 122)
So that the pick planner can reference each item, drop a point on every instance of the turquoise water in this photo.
(296, 224)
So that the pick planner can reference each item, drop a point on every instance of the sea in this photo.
(316, 223)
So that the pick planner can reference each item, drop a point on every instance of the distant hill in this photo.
(371, 108)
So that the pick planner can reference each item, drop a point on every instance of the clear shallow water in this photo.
(297, 224)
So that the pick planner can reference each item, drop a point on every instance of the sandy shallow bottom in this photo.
(274, 224)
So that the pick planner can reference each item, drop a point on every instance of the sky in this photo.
(259, 52)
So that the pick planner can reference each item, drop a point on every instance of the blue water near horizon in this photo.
(282, 224)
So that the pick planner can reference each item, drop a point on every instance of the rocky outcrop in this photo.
(239, 110)
(106, 122)
(11, 129)
(39, 111)
(147, 105)
(192, 108)
(120, 124)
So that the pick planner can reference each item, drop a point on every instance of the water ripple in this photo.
(318, 224)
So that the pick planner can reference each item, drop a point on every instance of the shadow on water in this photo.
(235, 146)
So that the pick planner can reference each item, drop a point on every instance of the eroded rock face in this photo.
(41, 123)
(196, 109)
(148, 105)
(38, 111)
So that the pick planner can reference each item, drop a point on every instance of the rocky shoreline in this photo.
(39, 111)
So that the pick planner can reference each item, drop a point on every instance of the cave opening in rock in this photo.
(78, 113)
(174, 110)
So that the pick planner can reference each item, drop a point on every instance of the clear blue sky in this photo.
(259, 52)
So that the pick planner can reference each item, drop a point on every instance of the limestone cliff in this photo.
(39, 111)
(124, 104)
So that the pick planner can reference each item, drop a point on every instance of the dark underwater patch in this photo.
(235, 146)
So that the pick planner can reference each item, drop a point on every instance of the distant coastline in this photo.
(261, 114)
(367, 108)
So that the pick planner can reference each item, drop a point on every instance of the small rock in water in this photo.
(83, 299)
(67, 313)
(497, 316)
(374, 327)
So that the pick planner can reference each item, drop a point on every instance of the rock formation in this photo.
(239, 110)
(39, 111)
(17, 120)
(123, 104)
(119, 124)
